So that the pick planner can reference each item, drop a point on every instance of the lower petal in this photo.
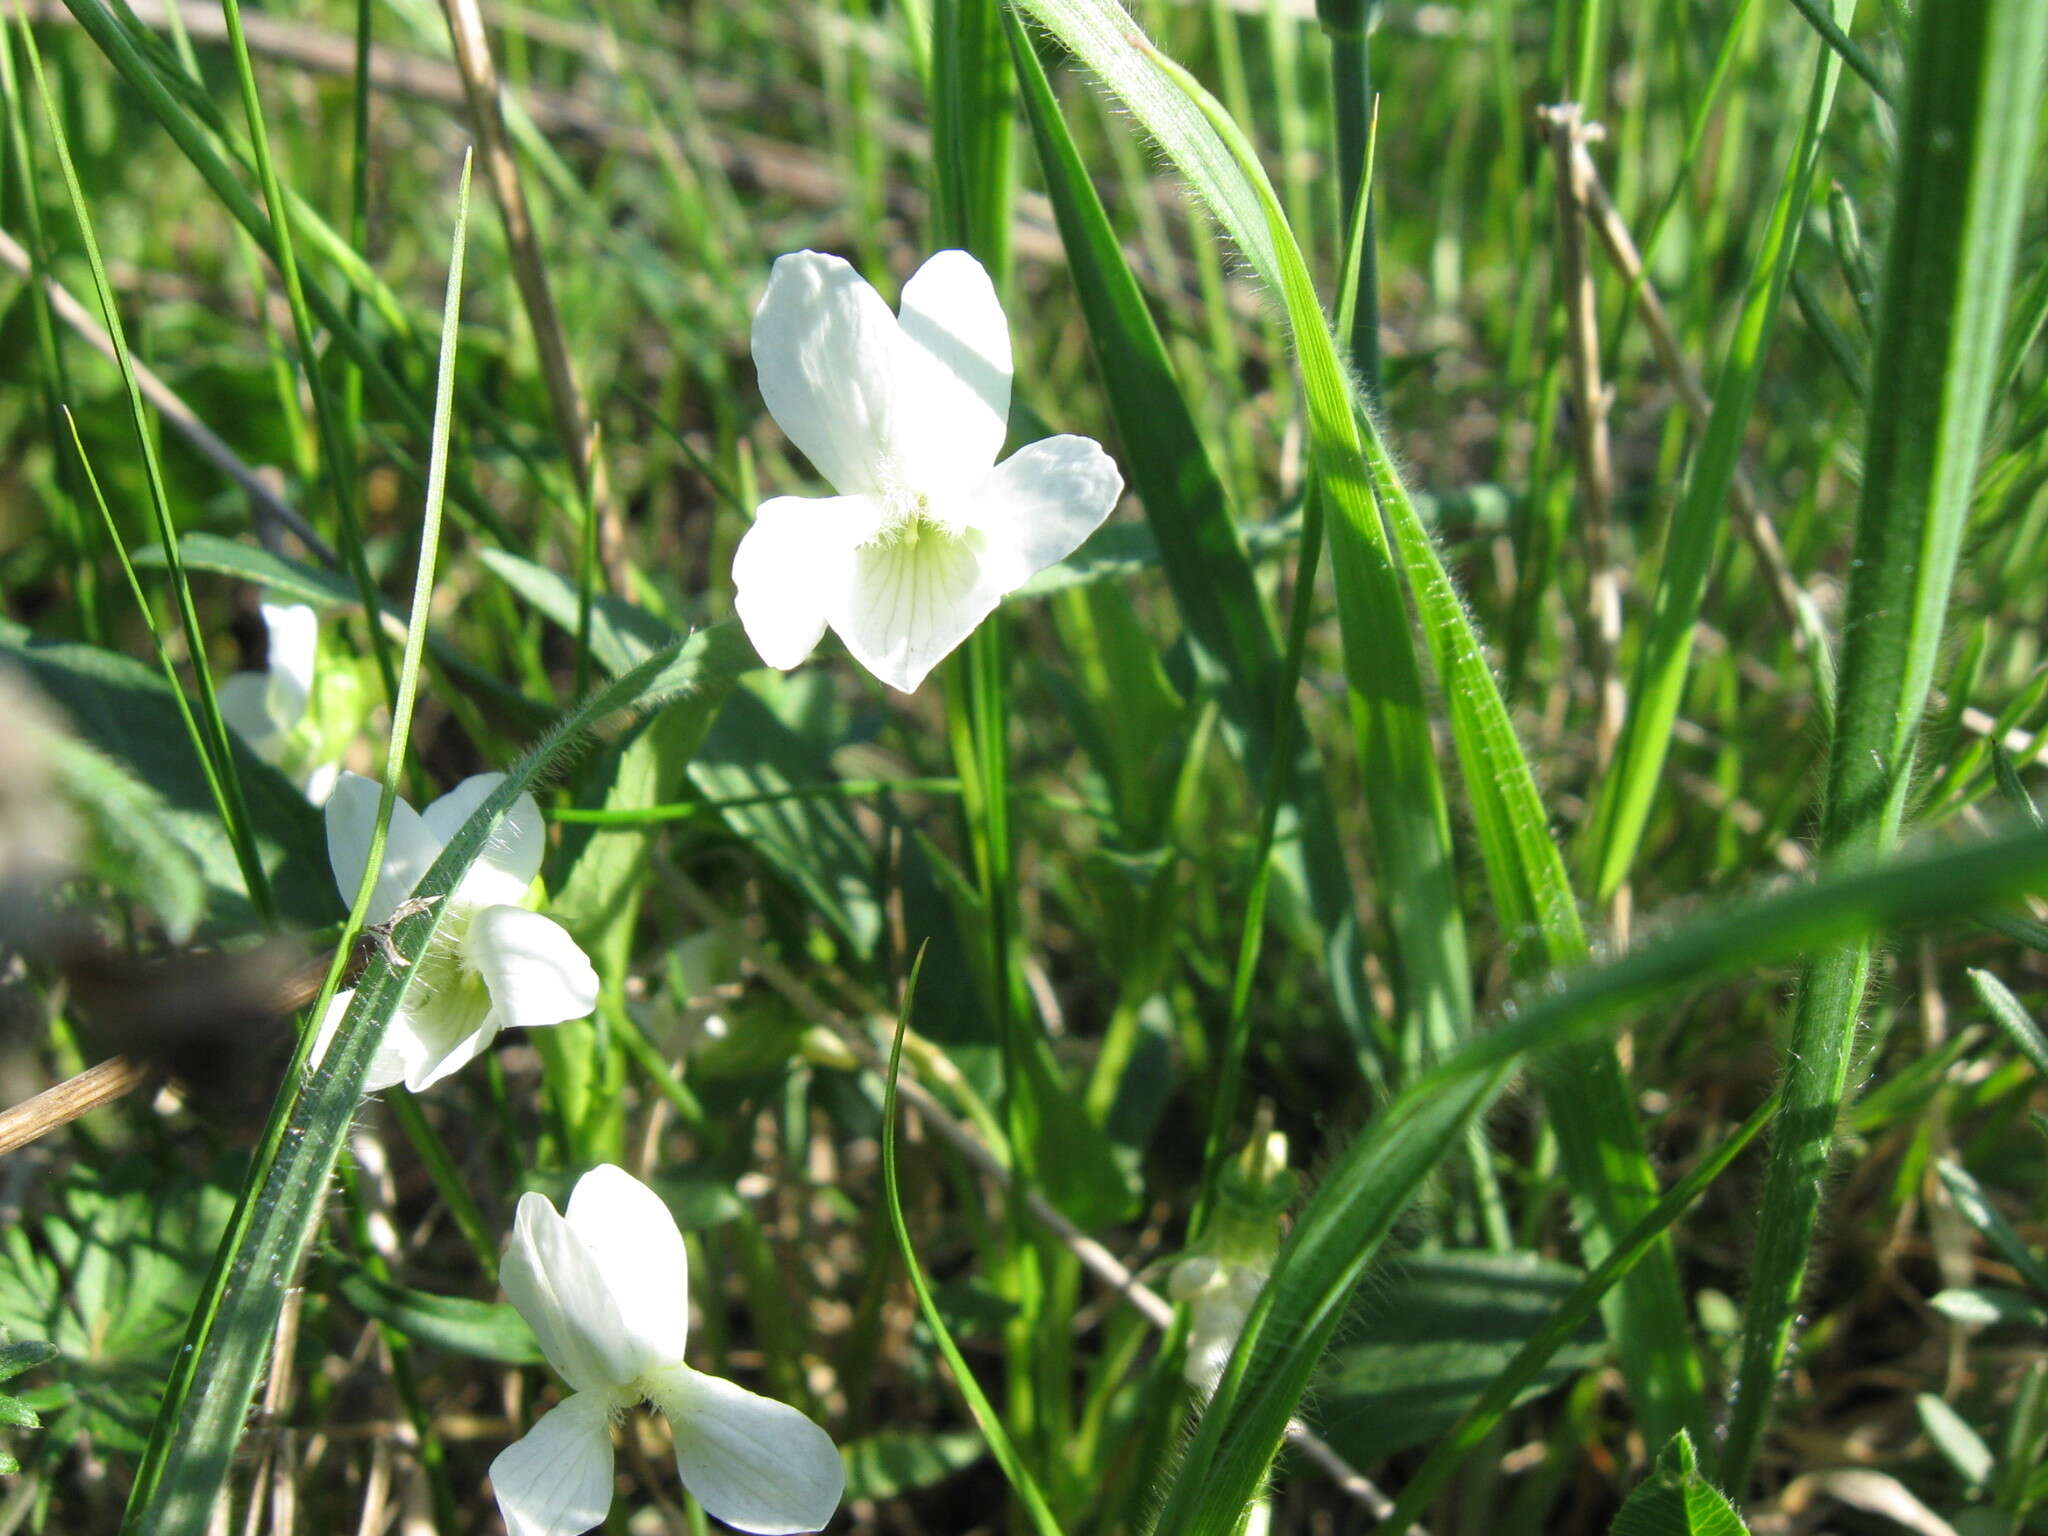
(756, 1464)
(1037, 506)
(557, 1479)
(387, 1067)
(442, 1034)
(912, 601)
(534, 971)
(790, 565)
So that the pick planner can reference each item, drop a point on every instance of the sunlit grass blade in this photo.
(334, 440)
(206, 1401)
(194, 138)
(2019, 1025)
(1612, 1183)
(1200, 547)
(991, 1423)
(1968, 136)
(211, 740)
(1410, 817)
(1663, 661)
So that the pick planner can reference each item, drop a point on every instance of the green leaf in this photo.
(1965, 145)
(483, 1329)
(1197, 542)
(1674, 1500)
(1986, 1307)
(1436, 1329)
(25, 1355)
(2017, 1023)
(127, 712)
(1979, 1212)
(131, 846)
(895, 1462)
(1589, 1104)
(1960, 1446)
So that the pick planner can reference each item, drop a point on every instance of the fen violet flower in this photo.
(266, 708)
(494, 963)
(905, 416)
(605, 1288)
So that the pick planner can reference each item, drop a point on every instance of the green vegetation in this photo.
(1505, 879)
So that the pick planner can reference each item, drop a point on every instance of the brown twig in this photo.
(1591, 398)
(529, 269)
(53, 1107)
(1756, 523)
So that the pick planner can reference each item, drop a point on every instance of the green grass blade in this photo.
(991, 1423)
(1370, 1182)
(1612, 1181)
(1969, 132)
(1504, 1391)
(1663, 662)
(1198, 543)
(1390, 713)
(327, 417)
(207, 1400)
(2018, 1024)
(211, 741)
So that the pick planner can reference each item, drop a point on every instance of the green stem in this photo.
(1969, 131)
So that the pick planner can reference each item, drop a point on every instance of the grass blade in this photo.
(1612, 1181)
(1370, 1182)
(1662, 665)
(1200, 547)
(1976, 87)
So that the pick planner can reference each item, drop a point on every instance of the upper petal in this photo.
(954, 395)
(754, 1463)
(409, 849)
(294, 640)
(511, 855)
(1037, 506)
(826, 349)
(629, 1232)
(911, 601)
(534, 971)
(791, 567)
(556, 1479)
(557, 1286)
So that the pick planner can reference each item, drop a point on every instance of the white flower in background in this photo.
(1223, 1272)
(605, 1289)
(1219, 1297)
(904, 416)
(265, 708)
(494, 963)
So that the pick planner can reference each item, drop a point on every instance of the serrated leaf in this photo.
(1674, 1500)
(23, 1356)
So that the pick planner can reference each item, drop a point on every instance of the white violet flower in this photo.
(605, 1288)
(905, 416)
(265, 708)
(494, 963)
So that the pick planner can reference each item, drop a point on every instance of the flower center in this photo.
(907, 520)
